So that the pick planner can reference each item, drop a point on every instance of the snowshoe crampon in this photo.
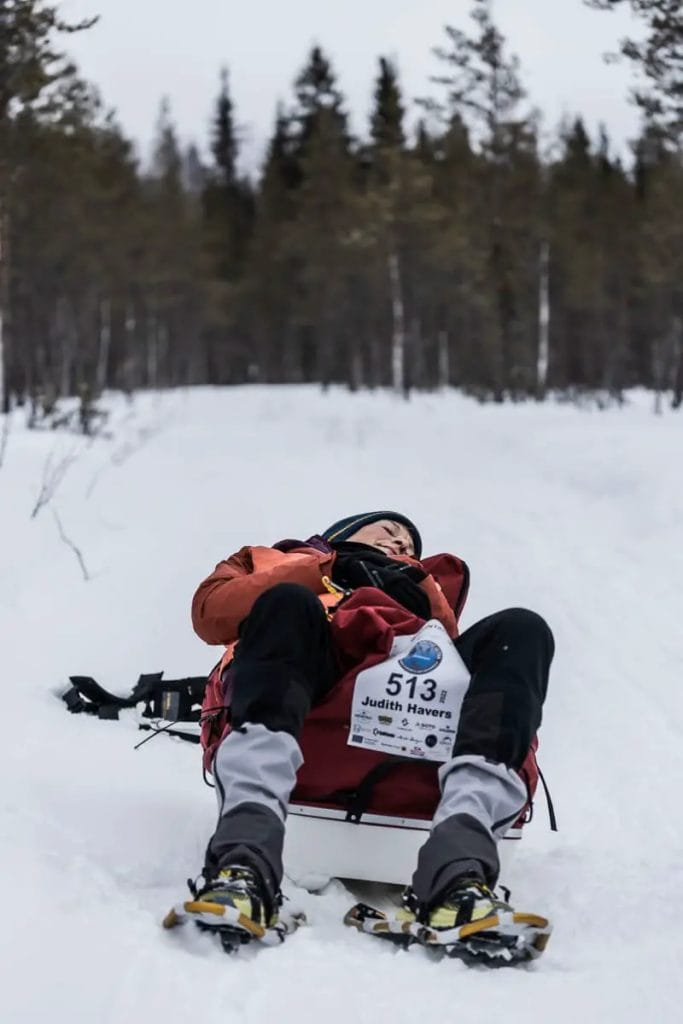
(233, 928)
(502, 940)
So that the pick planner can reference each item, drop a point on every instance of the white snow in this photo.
(575, 513)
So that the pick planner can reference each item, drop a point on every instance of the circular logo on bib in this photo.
(423, 656)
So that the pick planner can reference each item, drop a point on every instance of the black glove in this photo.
(358, 565)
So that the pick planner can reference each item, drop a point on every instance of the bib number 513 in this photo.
(426, 688)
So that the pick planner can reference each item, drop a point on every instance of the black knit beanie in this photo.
(344, 528)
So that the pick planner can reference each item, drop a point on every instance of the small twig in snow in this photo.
(52, 477)
(69, 543)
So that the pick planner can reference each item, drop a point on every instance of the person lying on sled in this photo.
(299, 620)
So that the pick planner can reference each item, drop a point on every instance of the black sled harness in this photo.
(170, 700)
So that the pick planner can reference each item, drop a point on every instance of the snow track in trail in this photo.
(576, 514)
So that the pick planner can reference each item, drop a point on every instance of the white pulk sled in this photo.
(322, 843)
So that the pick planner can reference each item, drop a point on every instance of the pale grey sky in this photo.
(143, 49)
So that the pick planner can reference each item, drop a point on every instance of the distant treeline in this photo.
(473, 253)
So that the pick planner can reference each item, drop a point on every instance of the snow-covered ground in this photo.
(578, 514)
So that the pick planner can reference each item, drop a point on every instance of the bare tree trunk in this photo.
(398, 338)
(65, 343)
(416, 359)
(130, 373)
(662, 365)
(677, 360)
(152, 355)
(163, 370)
(376, 361)
(3, 397)
(658, 373)
(444, 360)
(543, 321)
(103, 347)
(357, 369)
(4, 268)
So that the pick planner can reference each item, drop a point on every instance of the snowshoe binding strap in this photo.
(502, 940)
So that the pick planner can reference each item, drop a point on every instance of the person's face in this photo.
(390, 537)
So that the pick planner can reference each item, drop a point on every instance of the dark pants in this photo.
(284, 663)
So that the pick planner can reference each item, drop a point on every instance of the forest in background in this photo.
(466, 255)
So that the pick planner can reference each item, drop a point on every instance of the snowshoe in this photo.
(469, 923)
(232, 906)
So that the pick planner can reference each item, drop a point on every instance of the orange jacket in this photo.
(227, 596)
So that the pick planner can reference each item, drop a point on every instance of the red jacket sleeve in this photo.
(228, 594)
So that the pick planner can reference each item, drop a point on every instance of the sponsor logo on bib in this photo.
(423, 656)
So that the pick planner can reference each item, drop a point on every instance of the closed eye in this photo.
(394, 532)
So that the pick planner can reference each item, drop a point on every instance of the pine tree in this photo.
(659, 58)
(483, 90)
(320, 104)
(228, 224)
(172, 322)
(658, 295)
(74, 240)
(224, 141)
(593, 244)
(386, 122)
(387, 198)
(30, 69)
(321, 231)
(271, 277)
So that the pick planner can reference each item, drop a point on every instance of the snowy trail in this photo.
(577, 514)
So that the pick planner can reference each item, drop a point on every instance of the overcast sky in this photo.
(143, 49)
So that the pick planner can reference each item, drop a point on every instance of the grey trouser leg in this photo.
(255, 772)
(480, 800)
(283, 663)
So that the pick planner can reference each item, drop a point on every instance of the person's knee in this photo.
(282, 613)
(290, 597)
(524, 622)
(281, 654)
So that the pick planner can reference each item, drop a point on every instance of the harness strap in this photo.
(357, 800)
(551, 809)
(172, 699)
(530, 800)
(89, 697)
(190, 736)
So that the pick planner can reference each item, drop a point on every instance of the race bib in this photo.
(409, 705)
